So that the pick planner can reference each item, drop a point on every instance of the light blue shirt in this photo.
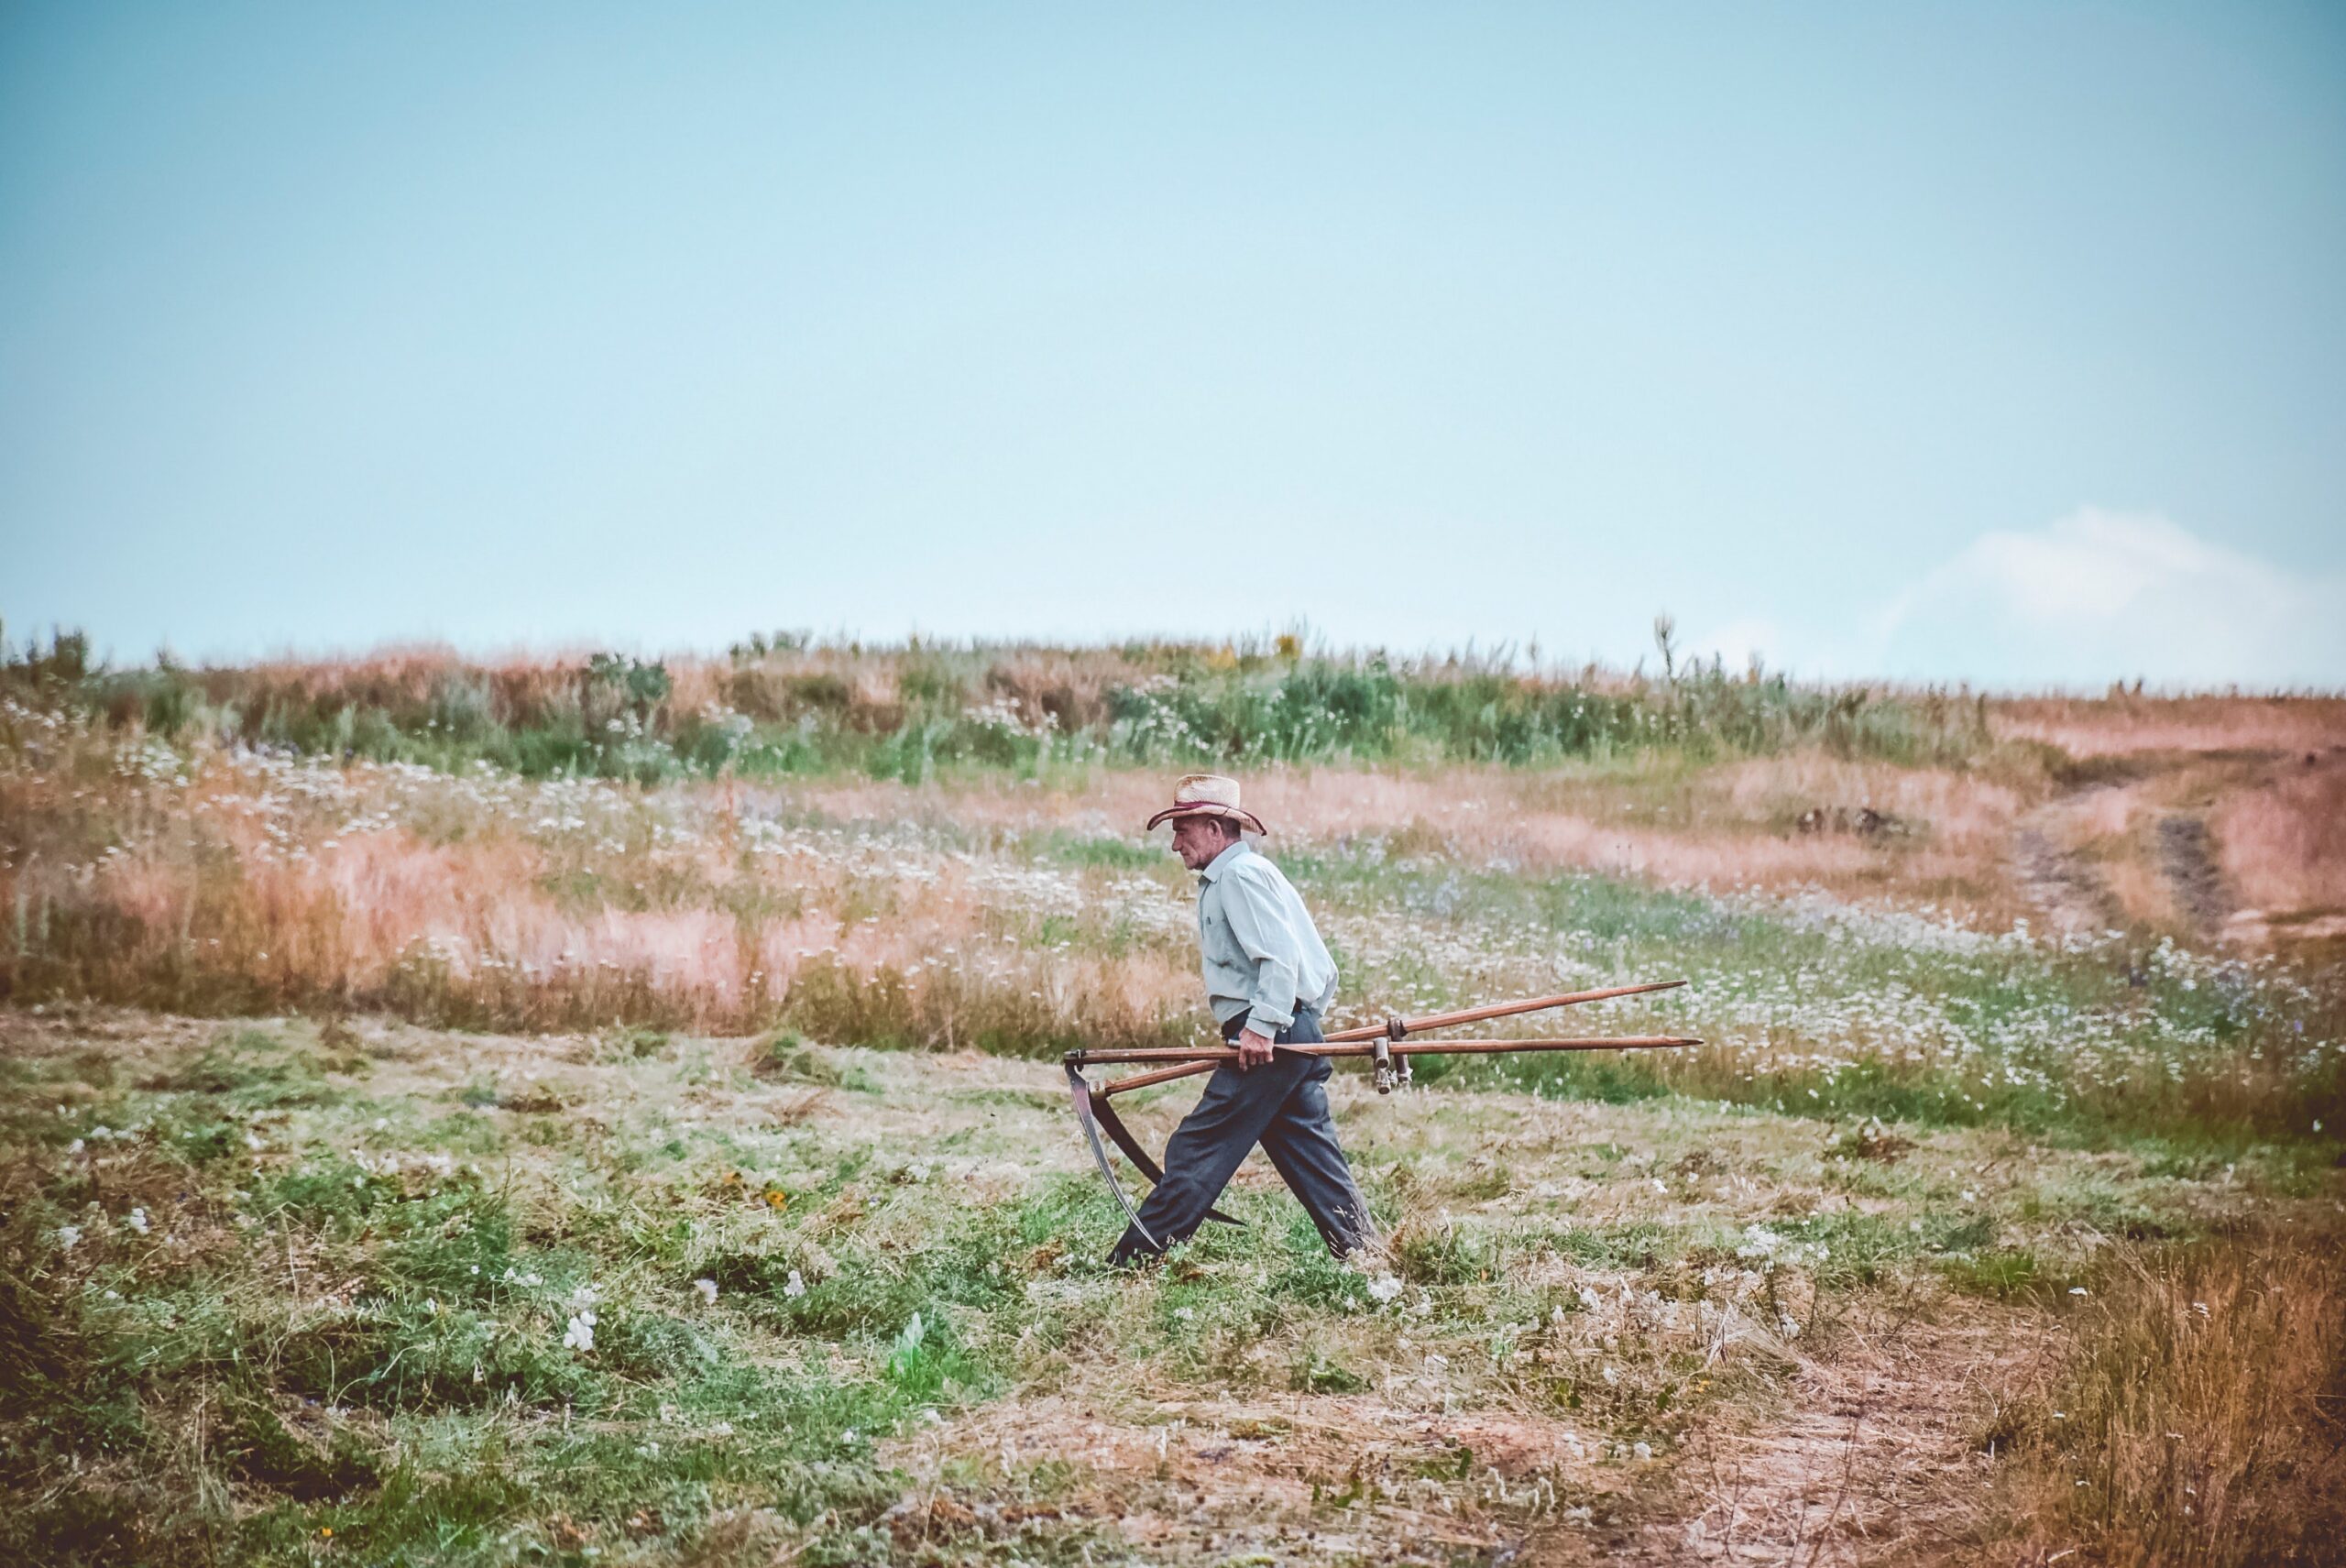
(1256, 943)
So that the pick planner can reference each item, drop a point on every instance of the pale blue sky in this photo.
(1981, 341)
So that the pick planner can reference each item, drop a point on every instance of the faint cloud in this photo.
(2104, 596)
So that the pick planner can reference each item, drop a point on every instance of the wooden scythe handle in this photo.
(1195, 1061)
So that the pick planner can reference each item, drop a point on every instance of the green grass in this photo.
(441, 1330)
(347, 1311)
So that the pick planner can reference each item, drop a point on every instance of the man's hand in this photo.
(1254, 1049)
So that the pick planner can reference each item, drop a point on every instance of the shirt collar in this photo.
(1220, 863)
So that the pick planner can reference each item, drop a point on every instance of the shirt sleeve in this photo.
(1261, 932)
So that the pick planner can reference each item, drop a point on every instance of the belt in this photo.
(1236, 1025)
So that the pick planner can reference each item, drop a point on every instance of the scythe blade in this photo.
(1080, 1090)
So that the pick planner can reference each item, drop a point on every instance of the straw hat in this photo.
(1208, 794)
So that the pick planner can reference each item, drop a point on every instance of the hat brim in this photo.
(1207, 809)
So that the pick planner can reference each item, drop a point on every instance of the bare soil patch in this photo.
(1875, 1457)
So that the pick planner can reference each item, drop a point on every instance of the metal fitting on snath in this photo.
(1381, 1054)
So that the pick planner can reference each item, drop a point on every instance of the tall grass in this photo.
(201, 877)
(791, 706)
(224, 882)
(2202, 1417)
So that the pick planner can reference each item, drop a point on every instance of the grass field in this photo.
(411, 1156)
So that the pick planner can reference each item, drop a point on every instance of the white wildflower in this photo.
(67, 1236)
(137, 1221)
(707, 1289)
(580, 1334)
(794, 1286)
(1385, 1287)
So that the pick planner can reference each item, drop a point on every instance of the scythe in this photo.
(1386, 1044)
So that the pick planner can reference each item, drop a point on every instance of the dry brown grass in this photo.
(245, 902)
(403, 678)
(2202, 1417)
(2124, 725)
(2283, 846)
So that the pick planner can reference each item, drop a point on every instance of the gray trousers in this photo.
(1283, 1105)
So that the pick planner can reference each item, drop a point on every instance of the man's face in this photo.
(1198, 840)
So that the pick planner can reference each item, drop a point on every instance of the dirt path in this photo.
(1870, 1456)
(2194, 879)
(1874, 1459)
(2072, 895)
(2055, 880)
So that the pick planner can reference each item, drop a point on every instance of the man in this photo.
(1270, 979)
